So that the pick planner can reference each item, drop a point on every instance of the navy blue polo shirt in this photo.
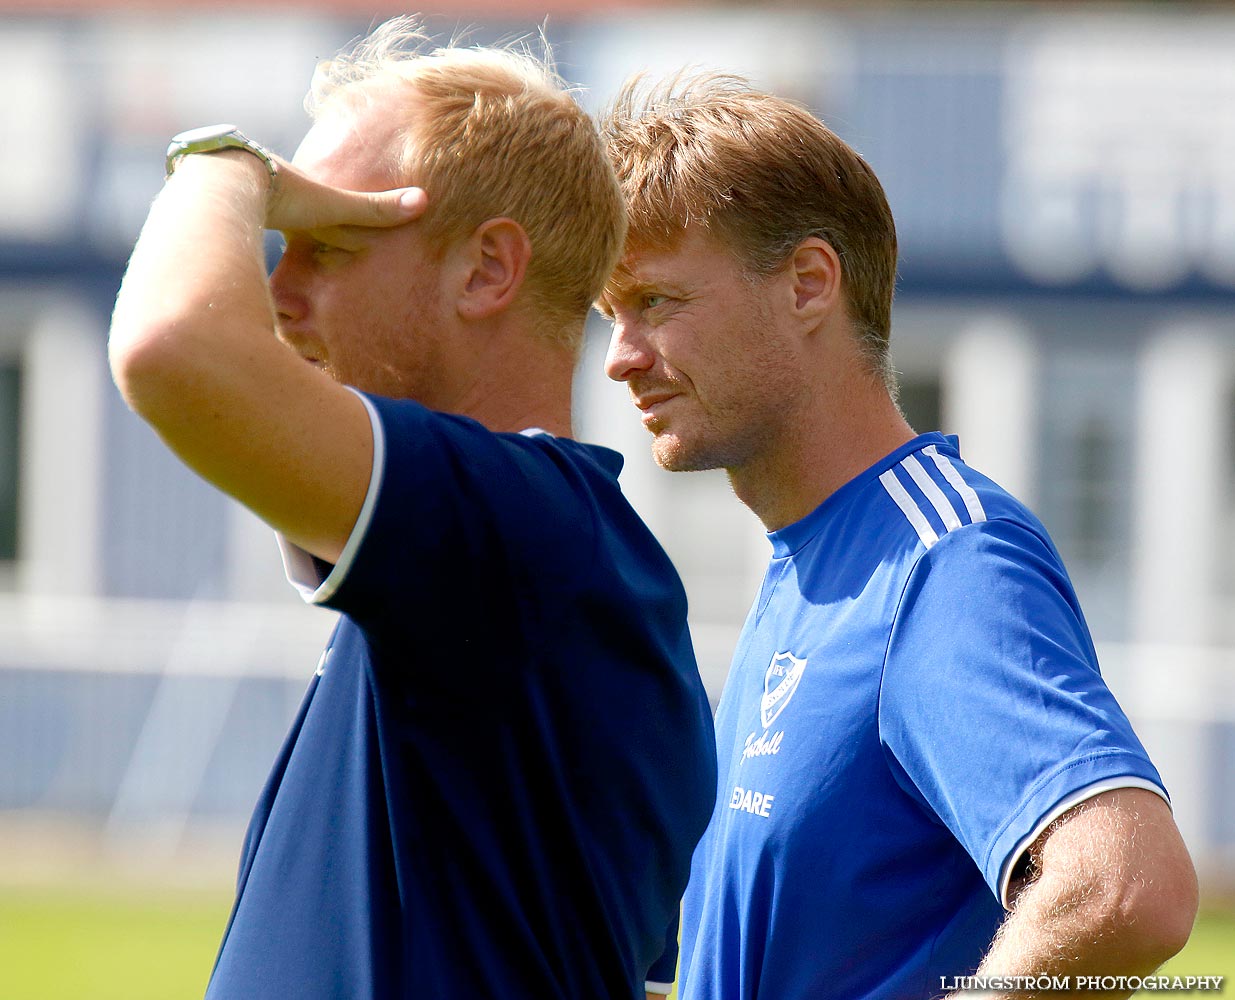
(497, 777)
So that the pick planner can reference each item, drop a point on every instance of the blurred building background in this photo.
(1063, 177)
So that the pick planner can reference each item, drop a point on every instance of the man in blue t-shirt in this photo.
(502, 765)
(922, 775)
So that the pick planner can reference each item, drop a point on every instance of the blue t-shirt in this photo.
(497, 777)
(914, 696)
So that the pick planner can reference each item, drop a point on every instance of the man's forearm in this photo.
(194, 351)
(1114, 895)
(1055, 934)
(195, 289)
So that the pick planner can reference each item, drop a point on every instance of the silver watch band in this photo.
(213, 139)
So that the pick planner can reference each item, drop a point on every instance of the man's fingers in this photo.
(414, 201)
(299, 203)
(382, 208)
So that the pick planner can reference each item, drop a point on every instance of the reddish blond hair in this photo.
(495, 132)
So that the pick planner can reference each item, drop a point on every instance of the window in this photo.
(1226, 529)
(1086, 476)
(10, 456)
(1095, 486)
(921, 400)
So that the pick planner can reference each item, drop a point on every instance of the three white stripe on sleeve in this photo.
(931, 490)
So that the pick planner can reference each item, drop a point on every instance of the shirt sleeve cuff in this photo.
(650, 987)
(304, 572)
(1061, 807)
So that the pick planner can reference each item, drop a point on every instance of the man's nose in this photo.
(629, 353)
(286, 288)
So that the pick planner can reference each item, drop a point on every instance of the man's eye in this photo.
(323, 249)
(652, 301)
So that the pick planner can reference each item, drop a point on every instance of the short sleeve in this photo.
(992, 707)
(448, 498)
(663, 972)
(317, 580)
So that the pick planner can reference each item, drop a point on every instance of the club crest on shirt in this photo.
(783, 675)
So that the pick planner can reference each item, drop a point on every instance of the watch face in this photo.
(210, 139)
(205, 132)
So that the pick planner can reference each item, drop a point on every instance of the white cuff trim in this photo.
(1075, 799)
(650, 987)
(300, 567)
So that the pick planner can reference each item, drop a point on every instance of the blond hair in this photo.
(764, 174)
(495, 132)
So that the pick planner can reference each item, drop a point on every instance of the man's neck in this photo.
(829, 444)
(529, 387)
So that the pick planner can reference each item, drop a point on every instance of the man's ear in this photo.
(496, 260)
(816, 274)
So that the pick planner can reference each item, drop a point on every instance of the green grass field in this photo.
(61, 944)
(1210, 950)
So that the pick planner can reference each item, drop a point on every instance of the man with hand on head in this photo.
(499, 772)
(922, 773)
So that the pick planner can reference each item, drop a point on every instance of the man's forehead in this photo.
(635, 274)
(351, 146)
(324, 137)
(631, 270)
(652, 262)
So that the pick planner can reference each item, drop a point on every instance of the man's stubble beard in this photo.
(711, 450)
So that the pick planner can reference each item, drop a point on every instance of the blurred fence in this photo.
(148, 716)
(1182, 702)
(147, 720)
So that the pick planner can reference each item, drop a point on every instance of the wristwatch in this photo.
(211, 139)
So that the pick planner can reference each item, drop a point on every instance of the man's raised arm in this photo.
(193, 346)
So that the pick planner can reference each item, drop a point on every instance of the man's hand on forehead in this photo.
(297, 203)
